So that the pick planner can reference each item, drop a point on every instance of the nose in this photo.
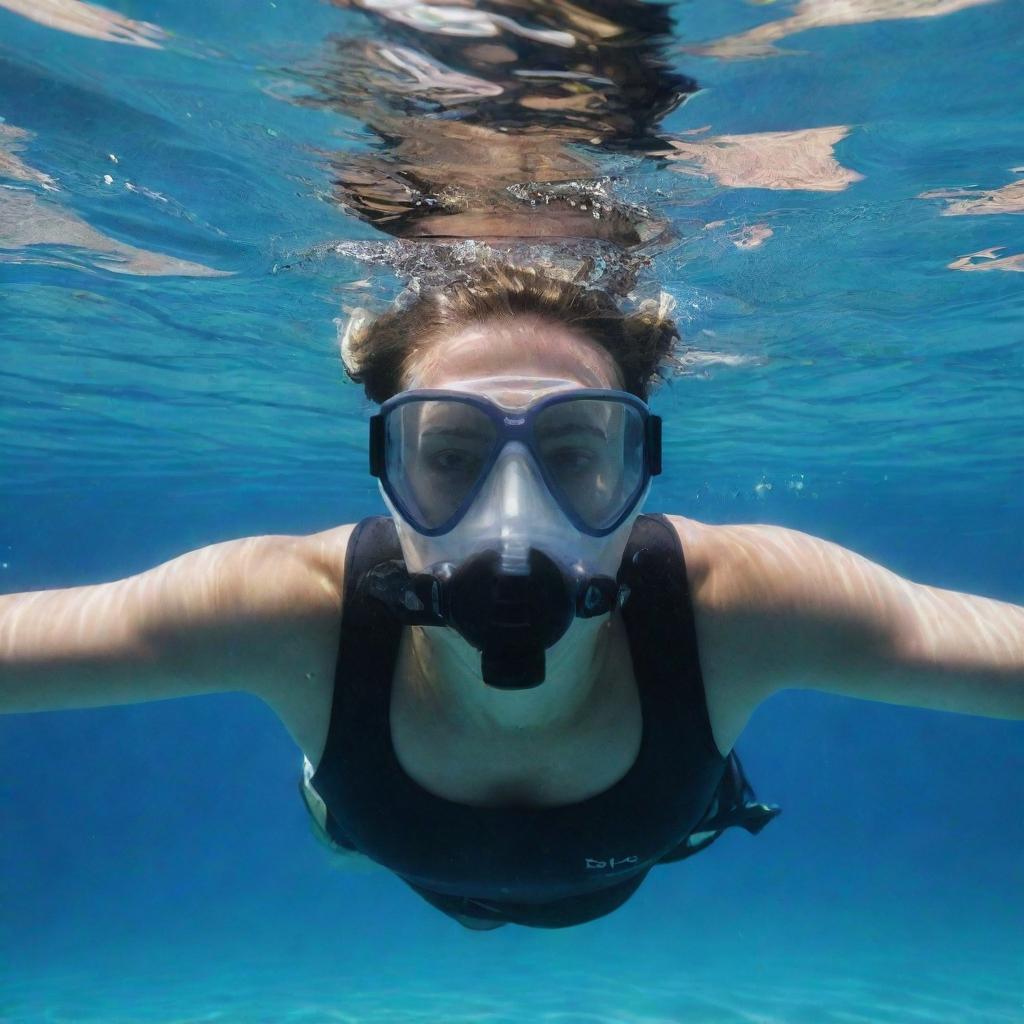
(518, 488)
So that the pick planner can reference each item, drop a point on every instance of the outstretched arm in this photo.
(792, 610)
(246, 615)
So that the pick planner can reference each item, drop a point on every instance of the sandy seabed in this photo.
(872, 990)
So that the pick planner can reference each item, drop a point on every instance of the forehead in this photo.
(525, 347)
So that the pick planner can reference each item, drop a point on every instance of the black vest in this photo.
(543, 866)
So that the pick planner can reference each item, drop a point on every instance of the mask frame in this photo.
(513, 424)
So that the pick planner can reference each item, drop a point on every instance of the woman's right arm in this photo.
(257, 615)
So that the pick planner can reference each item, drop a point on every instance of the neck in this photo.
(447, 671)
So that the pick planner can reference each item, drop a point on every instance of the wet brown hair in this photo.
(377, 352)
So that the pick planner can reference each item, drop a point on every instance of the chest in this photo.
(488, 765)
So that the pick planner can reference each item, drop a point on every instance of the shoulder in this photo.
(302, 578)
(321, 558)
(748, 572)
(713, 563)
(279, 576)
(697, 541)
(716, 566)
(736, 567)
(302, 581)
(714, 559)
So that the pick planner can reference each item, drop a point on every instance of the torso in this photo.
(546, 770)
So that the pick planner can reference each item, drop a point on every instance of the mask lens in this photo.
(592, 451)
(435, 456)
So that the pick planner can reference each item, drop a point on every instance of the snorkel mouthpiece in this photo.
(511, 617)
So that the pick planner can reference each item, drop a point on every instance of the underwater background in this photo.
(173, 257)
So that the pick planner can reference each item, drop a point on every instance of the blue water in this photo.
(156, 863)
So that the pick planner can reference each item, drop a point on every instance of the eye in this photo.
(571, 460)
(454, 460)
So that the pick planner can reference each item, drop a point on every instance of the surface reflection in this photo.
(28, 220)
(975, 202)
(490, 117)
(89, 20)
(773, 160)
(989, 259)
(759, 41)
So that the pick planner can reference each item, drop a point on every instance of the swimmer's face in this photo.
(580, 460)
(513, 365)
(528, 347)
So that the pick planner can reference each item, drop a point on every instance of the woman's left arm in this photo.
(796, 611)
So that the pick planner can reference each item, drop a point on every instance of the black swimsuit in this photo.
(540, 866)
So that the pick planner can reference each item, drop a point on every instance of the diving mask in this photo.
(513, 502)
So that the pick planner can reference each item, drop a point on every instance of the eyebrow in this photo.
(463, 432)
(565, 430)
(575, 428)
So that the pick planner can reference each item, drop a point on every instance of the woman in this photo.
(514, 692)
